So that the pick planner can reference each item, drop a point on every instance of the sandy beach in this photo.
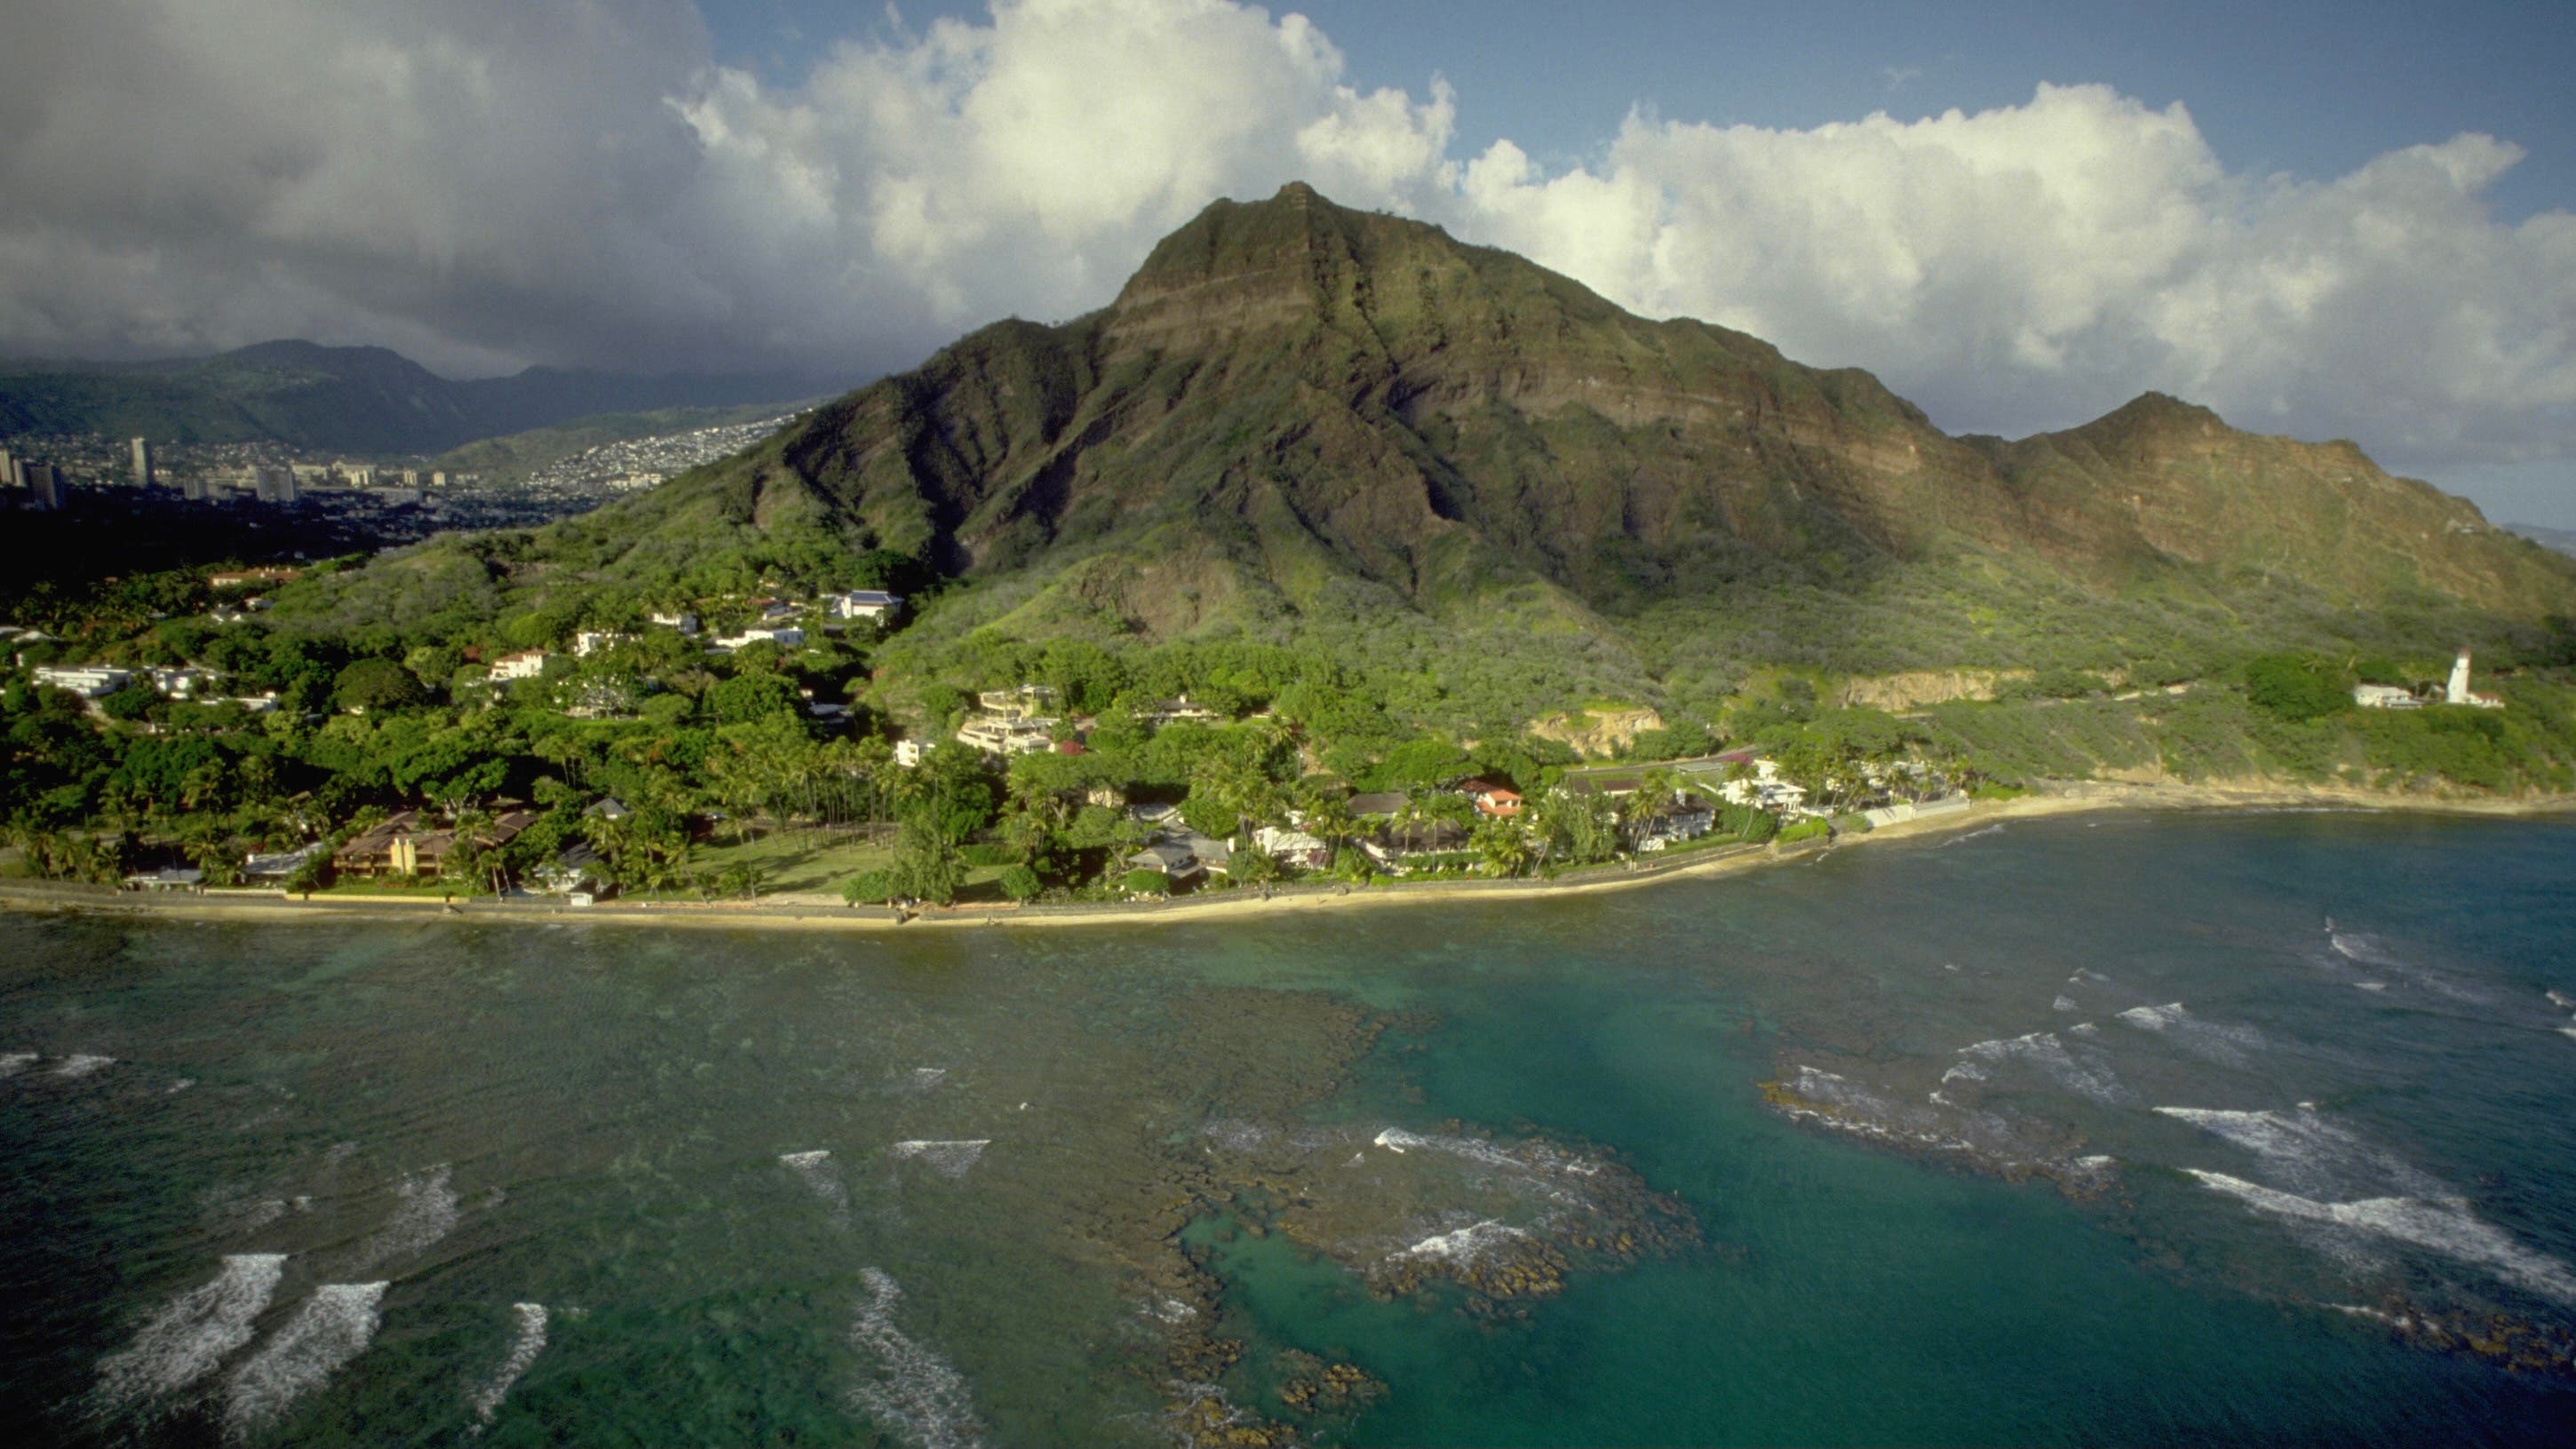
(815, 912)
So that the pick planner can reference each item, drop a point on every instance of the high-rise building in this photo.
(142, 462)
(193, 488)
(276, 484)
(9, 471)
(44, 487)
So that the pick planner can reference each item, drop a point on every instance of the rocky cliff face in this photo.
(1291, 398)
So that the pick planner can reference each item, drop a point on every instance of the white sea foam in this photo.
(2212, 1041)
(425, 1210)
(2042, 1052)
(948, 1159)
(2370, 951)
(1170, 1310)
(12, 1063)
(1464, 1245)
(1965, 1072)
(530, 1342)
(1529, 1157)
(2567, 1031)
(2443, 1226)
(1995, 829)
(1236, 1135)
(334, 1326)
(908, 1389)
(192, 1333)
(81, 1064)
(817, 1172)
(2064, 1002)
(2562, 1000)
(2370, 986)
(2084, 1028)
(2303, 1151)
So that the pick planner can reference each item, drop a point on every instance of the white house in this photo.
(682, 620)
(788, 637)
(869, 604)
(591, 641)
(526, 664)
(1007, 735)
(2384, 696)
(89, 681)
(1292, 847)
(908, 753)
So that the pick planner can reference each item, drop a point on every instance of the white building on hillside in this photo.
(2458, 692)
(527, 664)
(88, 681)
(867, 604)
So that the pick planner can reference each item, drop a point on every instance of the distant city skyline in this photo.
(2349, 220)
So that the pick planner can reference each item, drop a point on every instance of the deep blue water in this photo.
(2198, 1166)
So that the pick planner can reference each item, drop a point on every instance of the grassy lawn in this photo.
(800, 862)
(792, 860)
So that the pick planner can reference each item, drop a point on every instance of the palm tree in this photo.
(1505, 847)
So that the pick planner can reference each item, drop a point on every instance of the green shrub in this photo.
(1807, 829)
(991, 853)
(1147, 883)
(2297, 686)
(1021, 883)
(867, 888)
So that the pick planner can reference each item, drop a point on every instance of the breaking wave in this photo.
(815, 1169)
(425, 1210)
(531, 1341)
(2212, 1041)
(12, 1063)
(908, 1388)
(81, 1064)
(193, 1332)
(334, 1326)
(1530, 1156)
(1464, 1245)
(2301, 1151)
(948, 1159)
(2443, 1226)
(2043, 1053)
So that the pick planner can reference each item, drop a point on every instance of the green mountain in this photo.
(365, 400)
(1302, 422)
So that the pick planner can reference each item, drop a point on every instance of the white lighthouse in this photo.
(2459, 692)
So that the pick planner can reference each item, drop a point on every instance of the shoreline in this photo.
(822, 913)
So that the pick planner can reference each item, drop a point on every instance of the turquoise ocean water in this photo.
(2254, 1128)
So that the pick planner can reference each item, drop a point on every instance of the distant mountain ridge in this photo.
(1289, 391)
(367, 400)
(1298, 420)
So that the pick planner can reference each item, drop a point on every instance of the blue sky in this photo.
(2353, 221)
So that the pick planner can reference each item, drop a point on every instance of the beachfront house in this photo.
(168, 878)
(1686, 817)
(1492, 799)
(1399, 846)
(278, 867)
(1170, 859)
(1293, 848)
